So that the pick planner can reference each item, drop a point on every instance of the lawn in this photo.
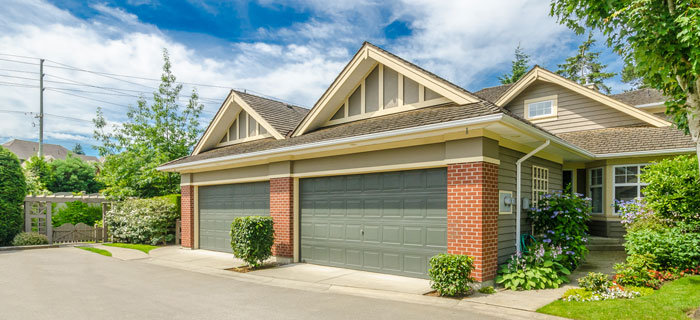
(95, 250)
(142, 247)
(672, 301)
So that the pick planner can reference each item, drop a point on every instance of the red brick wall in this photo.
(282, 213)
(472, 215)
(187, 216)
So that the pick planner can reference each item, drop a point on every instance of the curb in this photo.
(17, 248)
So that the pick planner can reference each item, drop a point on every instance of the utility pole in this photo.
(41, 108)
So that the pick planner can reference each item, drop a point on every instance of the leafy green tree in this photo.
(152, 135)
(77, 212)
(519, 67)
(631, 77)
(662, 37)
(585, 67)
(73, 175)
(38, 174)
(12, 193)
(78, 149)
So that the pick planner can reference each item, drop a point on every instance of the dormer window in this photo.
(244, 128)
(541, 108)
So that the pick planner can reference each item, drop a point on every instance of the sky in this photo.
(289, 50)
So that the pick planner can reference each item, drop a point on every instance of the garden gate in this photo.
(37, 217)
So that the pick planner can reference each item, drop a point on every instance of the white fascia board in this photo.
(371, 136)
(649, 105)
(548, 136)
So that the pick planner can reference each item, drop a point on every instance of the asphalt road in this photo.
(69, 283)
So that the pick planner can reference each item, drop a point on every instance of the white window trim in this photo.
(637, 184)
(535, 191)
(601, 186)
(553, 115)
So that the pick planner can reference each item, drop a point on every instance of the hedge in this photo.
(13, 189)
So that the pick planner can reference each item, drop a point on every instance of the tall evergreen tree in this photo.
(631, 77)
(78, 149)
(519, 67)
(151, 135)
(585, 67)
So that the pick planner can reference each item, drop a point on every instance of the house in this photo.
(394, 164)
(24, 150)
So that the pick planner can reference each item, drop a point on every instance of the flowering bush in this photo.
(594, 281)
(605, 294)
(148, 221)
(637, 271)
(560, 220)
(29, 239)
(636, 215)
(540, 269)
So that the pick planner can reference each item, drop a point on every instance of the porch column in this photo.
(472, 215)
(282, 213)
(187, 216)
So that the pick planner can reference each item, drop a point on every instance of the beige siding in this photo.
(506, 182)
(575, 112)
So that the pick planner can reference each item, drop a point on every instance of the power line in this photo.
(13, 84)
(23, 62)
(20, 71)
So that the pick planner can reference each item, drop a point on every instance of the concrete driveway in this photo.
(69, 283)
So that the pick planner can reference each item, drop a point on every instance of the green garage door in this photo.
(390, 222)
(219, 205)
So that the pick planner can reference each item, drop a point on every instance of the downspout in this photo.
(518, 192)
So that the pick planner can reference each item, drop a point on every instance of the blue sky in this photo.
(291, 50)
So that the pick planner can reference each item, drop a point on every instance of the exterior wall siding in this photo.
(575, 112)
(472, 215)
(282, 213)
(187, 216)
(507, 182)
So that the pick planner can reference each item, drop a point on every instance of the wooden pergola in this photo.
(39, 207)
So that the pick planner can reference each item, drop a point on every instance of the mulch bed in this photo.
(246, 269)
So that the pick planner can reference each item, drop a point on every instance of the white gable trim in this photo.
(224, 113)
(369, 51)
(538, 73)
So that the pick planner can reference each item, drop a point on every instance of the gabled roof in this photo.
(493, 93)
(358, 64)
(538, 73)
(629, 139)
(640, 97)
(277, 117)
(24, 150)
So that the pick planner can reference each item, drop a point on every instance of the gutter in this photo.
(518, 199)
(649, 105)
(644, 153)
(326, 143)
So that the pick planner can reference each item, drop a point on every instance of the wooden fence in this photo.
(80, 232)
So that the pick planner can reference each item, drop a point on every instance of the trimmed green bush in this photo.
(594, 281)
(672, 247)
(13, 189)
(450, 274)
(673, 192)
(636, 271)
(252, 239)
(147, 221)
(77, 212)
(487, 290)
(29, 239)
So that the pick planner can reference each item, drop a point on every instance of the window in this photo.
(595, 183)
(540, 183)
(541, 107)
(626, 184)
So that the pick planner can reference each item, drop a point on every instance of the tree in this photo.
(662, 37)
(585, 67)
(152, 135)
(631, 77)
(12, 193)
(38, 174)
(78, 149)
(519, 67)
(73, 175)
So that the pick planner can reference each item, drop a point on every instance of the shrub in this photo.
(487, 290)
(13, 189)
(673, 247)
(636, 271)
(29, 239)
(560, 220)
(583, 294)
(594, 281)
(636, 215)
(674, 188)
(149, 221)
(252, 239)
(540, 269)
(450, 274)
(77, 212)
(73, 175)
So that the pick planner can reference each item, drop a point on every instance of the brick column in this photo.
(282, 213)
(187, 216)
(472, 215)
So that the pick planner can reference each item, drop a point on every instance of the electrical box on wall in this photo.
(505, 202)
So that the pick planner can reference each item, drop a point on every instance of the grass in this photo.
(95, 250)
(673, 301)
(142, 247)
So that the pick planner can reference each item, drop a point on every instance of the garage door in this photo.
(219, 205)
(390, 222)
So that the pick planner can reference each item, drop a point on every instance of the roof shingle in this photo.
(639, 97)
(493, 93)
(281, 116)
(629, 139)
